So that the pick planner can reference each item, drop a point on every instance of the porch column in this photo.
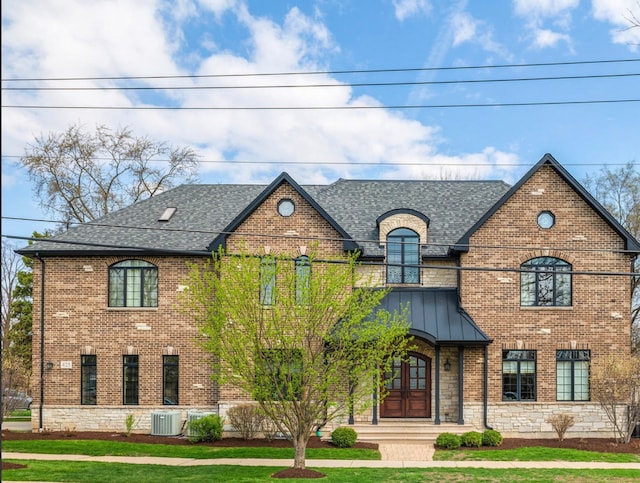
(374, 419)
(437, 391)
(461, 385)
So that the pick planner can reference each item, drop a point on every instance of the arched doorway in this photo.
(409, 388)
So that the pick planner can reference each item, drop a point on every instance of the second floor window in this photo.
(403, 256)
(267, 281)
(303, 280)
(545, 281)
(133, 283)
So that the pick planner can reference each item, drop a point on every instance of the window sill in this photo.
(135, 309)
(545, 307)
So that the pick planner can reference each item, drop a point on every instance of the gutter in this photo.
(42, 273)
(485, 396)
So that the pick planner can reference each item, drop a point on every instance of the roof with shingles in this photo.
(204, 211)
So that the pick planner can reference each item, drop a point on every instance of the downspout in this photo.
(40, 416)
(485, 396)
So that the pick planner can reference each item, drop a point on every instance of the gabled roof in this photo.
(435, 315)
(547, 160)
(221, 239)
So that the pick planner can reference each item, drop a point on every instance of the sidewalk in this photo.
(324, 463)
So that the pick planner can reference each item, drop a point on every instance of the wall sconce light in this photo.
(49, 366)
(447, 365)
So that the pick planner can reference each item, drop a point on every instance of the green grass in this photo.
(60, 471)
(19, 415)
(534, 453)
(108, 448)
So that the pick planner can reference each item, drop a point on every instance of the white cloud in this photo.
(122, 38)
(619, 13)
(544, 38)
(466, 28)
(543, 8)
(410, 8)
(537, 13)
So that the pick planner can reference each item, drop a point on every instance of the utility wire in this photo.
(364, 262)
(295, 86)
(323, 108)
(317, 238)
(341, 163)
(328, 72)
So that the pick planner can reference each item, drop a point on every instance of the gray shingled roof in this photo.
(205, 210)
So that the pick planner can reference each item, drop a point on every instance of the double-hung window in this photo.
(170, 380)
(130, 379)
(133, 283)
(403, 256)
(267, 281)
(545, 281)
(303, 280)
(88, 379)
(518, 375)
(572, 375)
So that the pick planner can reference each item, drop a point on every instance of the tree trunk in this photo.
(300, 446)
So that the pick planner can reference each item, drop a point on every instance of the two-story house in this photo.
(515, 293)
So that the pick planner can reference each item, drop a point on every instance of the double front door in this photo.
(408, 387)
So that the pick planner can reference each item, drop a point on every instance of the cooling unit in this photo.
(193, 415)
(166, 423)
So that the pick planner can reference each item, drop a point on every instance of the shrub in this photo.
(471, 439)
(129, 421)
(207, 428)
(344, 437)
(448, 441)
(247, 419)
(491, 437)
(561, 423)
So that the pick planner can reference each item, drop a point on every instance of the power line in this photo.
(340, 163)
(324, 108)
(295, 86)
(329, 72)
(317, 238)
(364, 262)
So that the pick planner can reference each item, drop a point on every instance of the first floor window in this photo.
(279, 374)
(572, 377)
(88, 380)
(170, 380)
(130, 378)
(518, 375)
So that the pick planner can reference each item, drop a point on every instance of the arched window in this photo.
(403, 256)
(133, 283)
(545, 281)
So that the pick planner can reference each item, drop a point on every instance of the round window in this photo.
(546, 219)
(286, 207)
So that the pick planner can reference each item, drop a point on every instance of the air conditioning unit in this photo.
(166, 423)
(193, 415)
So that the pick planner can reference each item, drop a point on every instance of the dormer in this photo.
(402, 218)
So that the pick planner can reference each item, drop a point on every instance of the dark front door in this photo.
(409, 389)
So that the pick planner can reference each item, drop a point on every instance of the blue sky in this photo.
(415, 43)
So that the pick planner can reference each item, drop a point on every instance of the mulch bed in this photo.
(589, 444)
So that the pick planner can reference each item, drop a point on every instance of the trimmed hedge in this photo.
(344, 437)
(471, 439)
(448, 441)
(491, 437)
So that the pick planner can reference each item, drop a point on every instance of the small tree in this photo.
(304, 343)
(615, 384)
(561, 423)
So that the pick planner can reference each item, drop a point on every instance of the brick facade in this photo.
(78, 320)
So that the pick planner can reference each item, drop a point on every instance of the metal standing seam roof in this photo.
(435, 315)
